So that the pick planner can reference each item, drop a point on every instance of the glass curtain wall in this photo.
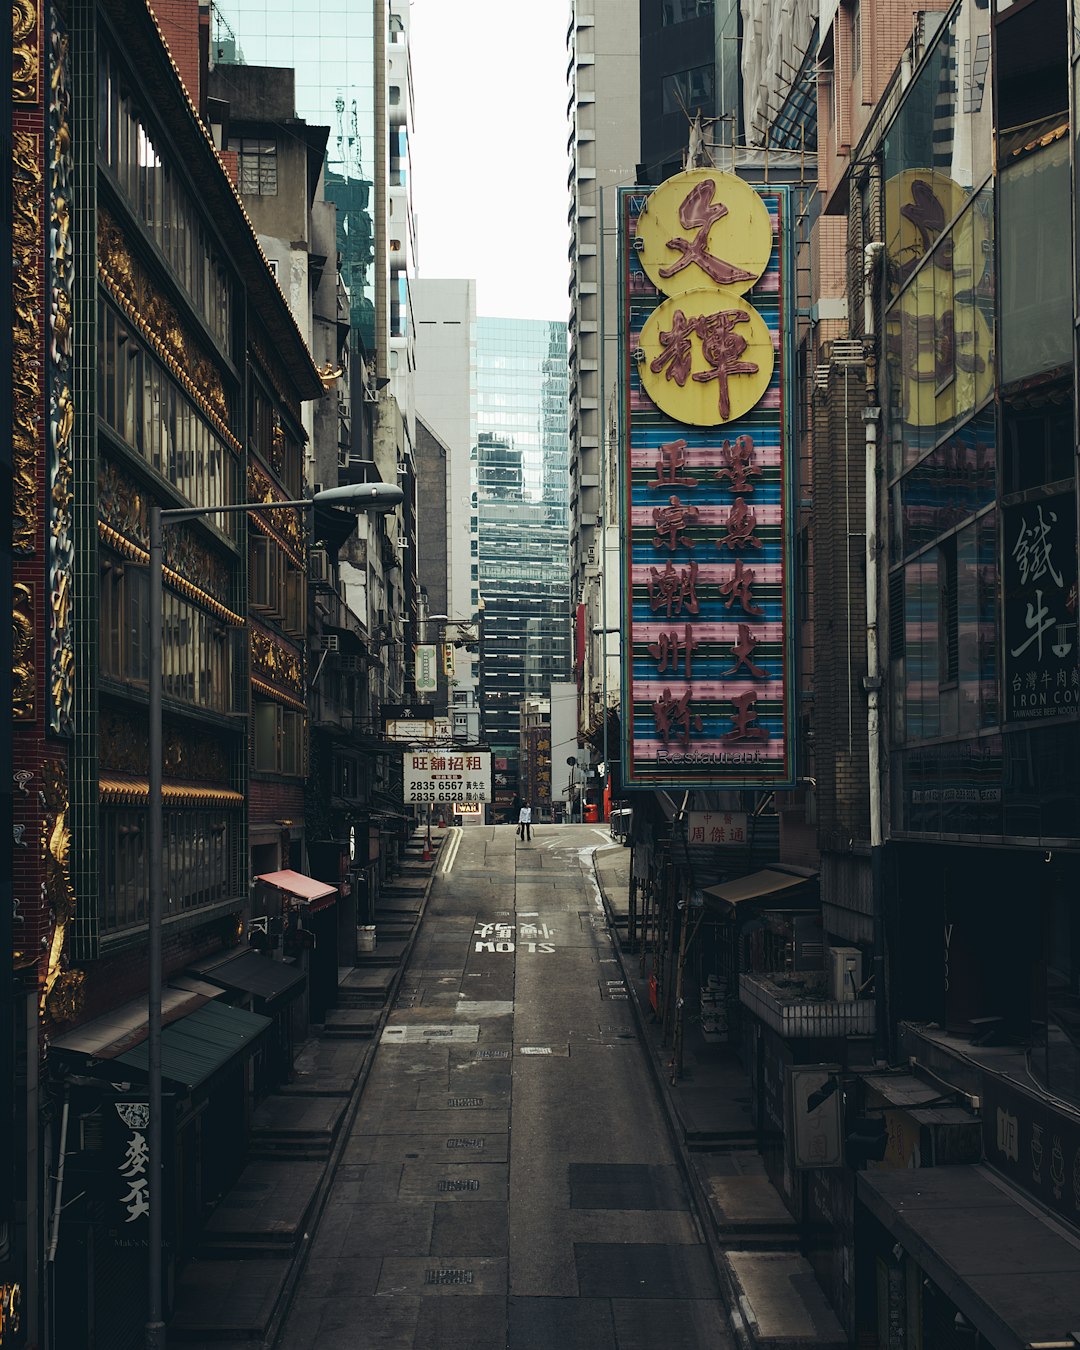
(523, 489)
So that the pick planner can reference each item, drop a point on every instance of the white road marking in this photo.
(450, 850)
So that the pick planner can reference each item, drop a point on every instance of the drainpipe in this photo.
(872, 416)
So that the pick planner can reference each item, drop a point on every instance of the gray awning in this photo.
(116, 1031)
(196, 1047)
(757, 886)
(272, 982)
(1013, 1273)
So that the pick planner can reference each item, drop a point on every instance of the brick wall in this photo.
(179, 24)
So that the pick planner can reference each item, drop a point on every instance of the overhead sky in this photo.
(489, 156)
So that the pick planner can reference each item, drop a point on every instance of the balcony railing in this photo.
(793, 1011)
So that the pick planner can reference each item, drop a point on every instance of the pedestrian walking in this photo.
(525, 823)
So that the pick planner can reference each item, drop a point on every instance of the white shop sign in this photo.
(447, 776)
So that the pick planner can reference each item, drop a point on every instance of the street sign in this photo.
(426, 675)
(412, 729)
(447, 777)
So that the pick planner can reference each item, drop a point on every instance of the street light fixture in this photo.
(360, 497)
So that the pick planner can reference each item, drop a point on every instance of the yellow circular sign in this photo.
(704, 228)
(706, 357)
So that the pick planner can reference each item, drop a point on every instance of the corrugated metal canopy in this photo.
(194, 1048)
(756, 885)
(254, 974)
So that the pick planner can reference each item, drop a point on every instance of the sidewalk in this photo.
(774, 1299)
(239, 1284)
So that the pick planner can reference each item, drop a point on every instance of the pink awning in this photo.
(303, 888)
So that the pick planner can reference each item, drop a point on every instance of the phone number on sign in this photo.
(433, 794)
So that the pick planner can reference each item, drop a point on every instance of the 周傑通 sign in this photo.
(445, 776)
(706, 484)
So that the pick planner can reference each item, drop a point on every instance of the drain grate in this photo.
(461, 1141)
(493, 1054)
(458, 1185)
(465, 1101)
(448, 1277)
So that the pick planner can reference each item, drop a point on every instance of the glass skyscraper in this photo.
(523, 498)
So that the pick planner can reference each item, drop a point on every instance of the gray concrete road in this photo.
(509, 1181)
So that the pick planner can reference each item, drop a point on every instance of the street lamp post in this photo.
(360, 497)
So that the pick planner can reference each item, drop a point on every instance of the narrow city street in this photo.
(508, 1180)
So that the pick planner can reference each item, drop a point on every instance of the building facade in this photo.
(604, 106)
(521, 457)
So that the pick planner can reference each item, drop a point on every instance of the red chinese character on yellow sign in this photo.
(722, 347)
(731, 234)
(698, 211)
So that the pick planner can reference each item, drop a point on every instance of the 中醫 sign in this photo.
(447, 776)
(706, 485)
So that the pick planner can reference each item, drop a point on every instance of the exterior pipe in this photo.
(872, 415)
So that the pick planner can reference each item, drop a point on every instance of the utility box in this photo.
(844, 970)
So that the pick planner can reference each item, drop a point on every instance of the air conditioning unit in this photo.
(331, 642)
(402, 468)
(843, 967)
(319, 570)
(350, 665)
(403, 541)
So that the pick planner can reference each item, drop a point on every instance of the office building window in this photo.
(678, 11)
(688, 90)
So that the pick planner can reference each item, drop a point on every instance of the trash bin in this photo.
(365, 937)
(592, 813)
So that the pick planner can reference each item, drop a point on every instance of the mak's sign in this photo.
(447, 776)
(706, 484)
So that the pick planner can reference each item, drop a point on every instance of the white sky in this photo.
(489, 155)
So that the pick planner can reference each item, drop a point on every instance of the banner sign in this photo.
(409, 729)
(427, 672)
(706, 485)
(448, 777)
(716, 828)
(1042, 655)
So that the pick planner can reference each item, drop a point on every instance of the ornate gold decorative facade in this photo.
(61, 418)
(283, 523)
(190, 567)
(188, 755)
(24, 675)
(56, 850)
(160, 325)
(26, 337)
(275, 661)
(25, 52)
(274, 373)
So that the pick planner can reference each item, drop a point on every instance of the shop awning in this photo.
(108, 1036)
(271, 981)
(756, 886)
(350, 643)
(1013, 1273)
(314, 894)
(197, 1046)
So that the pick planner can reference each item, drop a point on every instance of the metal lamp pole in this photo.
(360, 497)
